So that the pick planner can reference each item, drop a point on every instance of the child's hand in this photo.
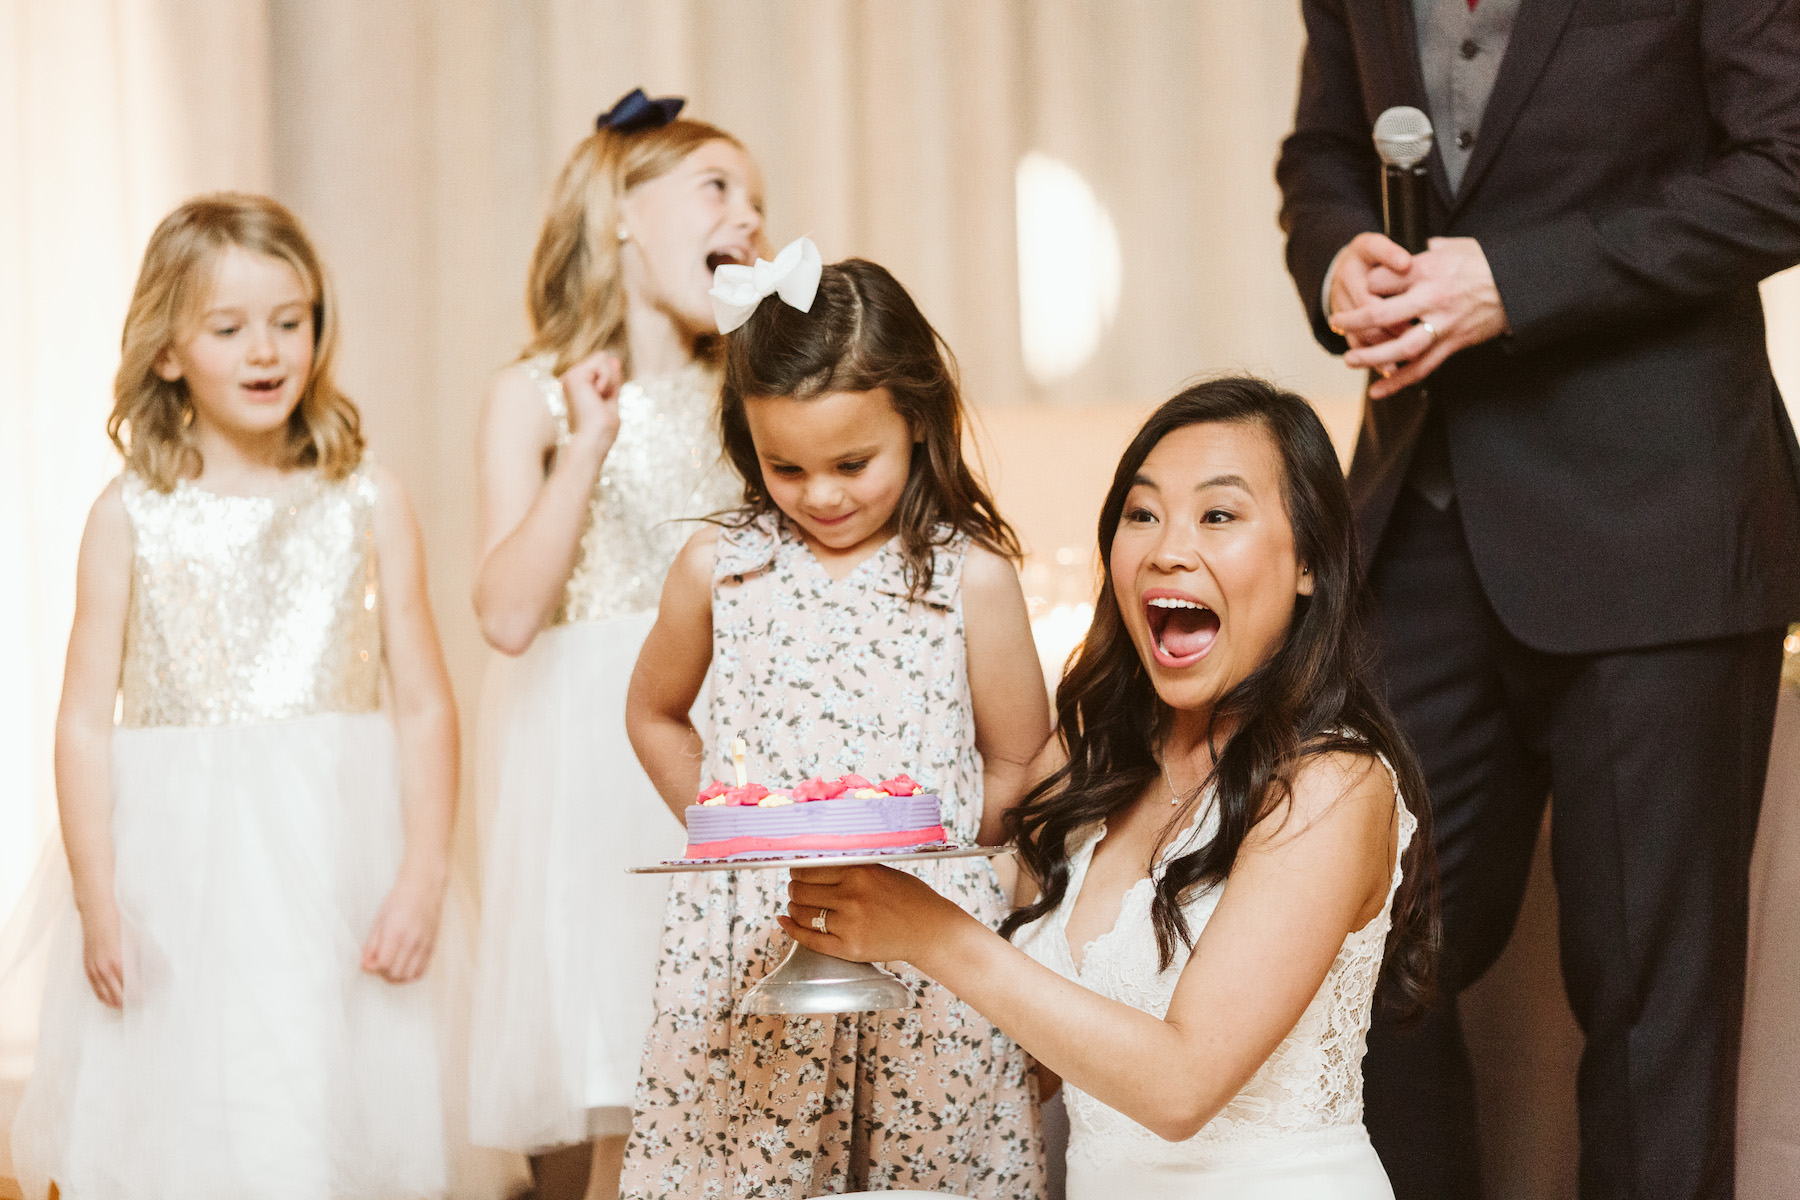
(399, 946)
(592, 388)
(103, 953)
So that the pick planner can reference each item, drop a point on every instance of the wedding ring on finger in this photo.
(1429, 328)
(818, 921)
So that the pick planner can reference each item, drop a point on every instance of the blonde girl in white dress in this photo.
(593, 449)
(1225, 836)
(237, 1003)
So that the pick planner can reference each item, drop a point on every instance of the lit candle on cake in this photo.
(738, 750)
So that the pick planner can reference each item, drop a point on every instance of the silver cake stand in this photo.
(808, 981)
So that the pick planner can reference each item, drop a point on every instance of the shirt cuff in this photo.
(1325, 288)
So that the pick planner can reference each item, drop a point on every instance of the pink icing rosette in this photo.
(749, 794)
(819, 789)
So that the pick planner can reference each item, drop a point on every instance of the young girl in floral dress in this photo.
(861, 613)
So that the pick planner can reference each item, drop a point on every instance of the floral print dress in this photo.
(821, 677)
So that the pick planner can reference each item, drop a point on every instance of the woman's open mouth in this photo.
(264, 389)
(1181, 630)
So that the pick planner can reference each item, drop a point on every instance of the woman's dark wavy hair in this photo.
(864, 332)
(1311, 697)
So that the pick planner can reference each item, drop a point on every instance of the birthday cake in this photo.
(847, 815)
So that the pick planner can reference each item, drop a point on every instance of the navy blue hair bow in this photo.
(637, 111)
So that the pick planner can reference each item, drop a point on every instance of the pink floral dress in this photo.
(822, 677)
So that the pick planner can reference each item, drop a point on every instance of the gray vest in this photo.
(1459, 54)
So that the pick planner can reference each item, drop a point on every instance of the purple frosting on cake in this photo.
(843, 816)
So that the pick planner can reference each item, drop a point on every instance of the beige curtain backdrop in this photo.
(417, 138)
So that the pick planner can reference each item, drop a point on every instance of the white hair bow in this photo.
(794, 276)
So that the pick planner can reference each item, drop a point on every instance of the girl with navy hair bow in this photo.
(592, 447)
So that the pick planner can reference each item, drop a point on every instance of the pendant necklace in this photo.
(1174, 796)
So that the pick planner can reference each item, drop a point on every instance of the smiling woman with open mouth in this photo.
(1223, 835)
(1182, 629)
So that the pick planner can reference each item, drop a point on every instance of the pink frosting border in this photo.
(728, 847)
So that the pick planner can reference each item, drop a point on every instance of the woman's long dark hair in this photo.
(864, 332)
(1311, 697)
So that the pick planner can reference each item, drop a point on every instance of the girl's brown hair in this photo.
(864, 332)
(151, 421)
(575, 293)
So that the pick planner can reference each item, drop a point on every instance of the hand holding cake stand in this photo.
(776, 829)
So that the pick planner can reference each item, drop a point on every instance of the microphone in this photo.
(1402, 140)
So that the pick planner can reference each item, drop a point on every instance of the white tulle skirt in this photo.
(252, 1057)
(566, 967)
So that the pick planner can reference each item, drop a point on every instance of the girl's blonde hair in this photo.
(575, 294)
(151, 421)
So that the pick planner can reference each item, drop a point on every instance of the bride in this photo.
(1224, 835)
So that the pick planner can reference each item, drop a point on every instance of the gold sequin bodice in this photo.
(664, 468)
(251, 608)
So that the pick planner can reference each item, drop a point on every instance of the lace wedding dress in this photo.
(1295, 1132)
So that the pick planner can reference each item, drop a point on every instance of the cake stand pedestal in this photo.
(808, 981)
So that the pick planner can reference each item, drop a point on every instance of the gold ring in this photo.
(1428, 327)
(818, 921)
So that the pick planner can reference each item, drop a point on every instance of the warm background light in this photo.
(417, 139)
(1069, 269)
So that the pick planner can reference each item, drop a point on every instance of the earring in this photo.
(622, 233)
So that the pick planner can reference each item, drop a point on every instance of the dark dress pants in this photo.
(1656, 759)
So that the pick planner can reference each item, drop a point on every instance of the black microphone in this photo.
(1403, 140)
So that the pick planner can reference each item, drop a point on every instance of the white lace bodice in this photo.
(1307, 1097)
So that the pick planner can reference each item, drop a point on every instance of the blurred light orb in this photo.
(1069, 268)
(1057, 632)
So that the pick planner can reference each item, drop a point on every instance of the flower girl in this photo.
(860, 613)
(583, 484)
(258, 846)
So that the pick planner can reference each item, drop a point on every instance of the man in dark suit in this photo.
(1576, 487)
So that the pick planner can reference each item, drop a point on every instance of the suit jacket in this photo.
(1626, 470)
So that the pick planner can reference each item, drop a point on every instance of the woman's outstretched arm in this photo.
(1307, 876)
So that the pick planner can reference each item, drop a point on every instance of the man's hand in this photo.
(1368, 264)
(1443, 302)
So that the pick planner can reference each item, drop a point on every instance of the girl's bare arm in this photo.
(670, 671)
(84, 727)
(530, 523)
(1006, 686)
(399, 945)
